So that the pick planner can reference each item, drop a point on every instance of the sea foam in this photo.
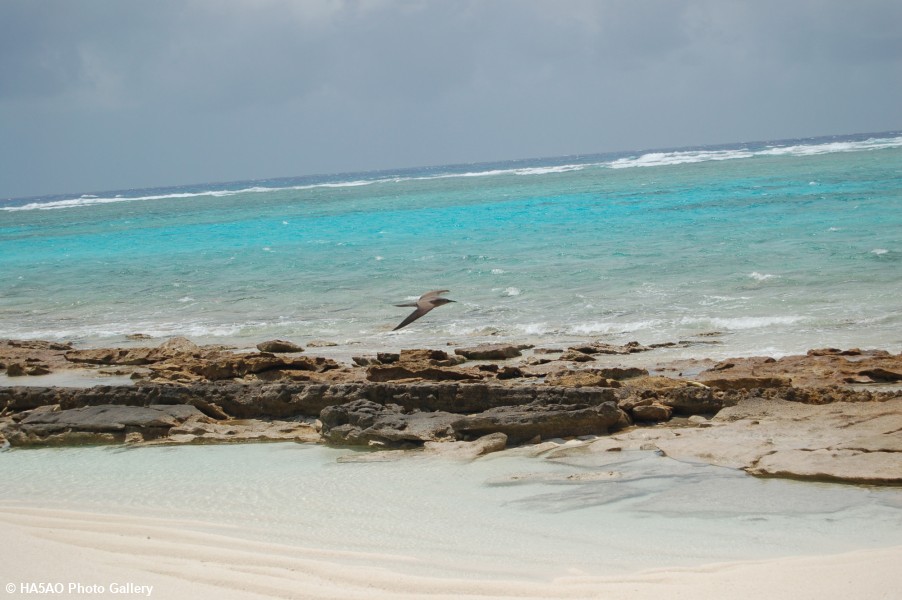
(740, 323)
(658, 159)
(649, 159)
(91, 200)
(760, 276)
(610, 327)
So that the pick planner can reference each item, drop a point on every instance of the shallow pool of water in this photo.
(506, 514)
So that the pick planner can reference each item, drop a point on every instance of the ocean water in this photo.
(503, 516)
(765, 248)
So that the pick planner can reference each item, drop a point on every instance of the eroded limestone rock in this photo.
(98, 424)
(363, 422)
(492, 442)
(279, 346)
(541, 420)
(853, 442)
(490, 352)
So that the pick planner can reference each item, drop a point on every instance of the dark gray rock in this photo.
(15, 370)
(98, 424)
(466, 398)
(283, 400)
(112, 418)
(387, 358)
(881, 375)
(364, 361)
(523, 423)
(364, 422)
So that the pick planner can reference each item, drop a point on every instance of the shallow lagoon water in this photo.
(503, 515)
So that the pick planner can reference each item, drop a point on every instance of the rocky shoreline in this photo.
(831, 414)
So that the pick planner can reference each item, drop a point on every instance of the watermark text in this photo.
(71, 588)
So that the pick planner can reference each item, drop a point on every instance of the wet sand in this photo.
(116, 553)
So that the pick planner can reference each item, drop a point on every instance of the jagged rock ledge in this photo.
(430, 399)
(28, 407)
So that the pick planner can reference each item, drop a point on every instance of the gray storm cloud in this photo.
(104, 94)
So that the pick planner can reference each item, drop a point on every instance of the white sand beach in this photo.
(115, 556)
(647, 512)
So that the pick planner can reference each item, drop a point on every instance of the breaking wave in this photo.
(92, 200)
(648, 159)
(761, 276)
(658, 159)
(743, 323)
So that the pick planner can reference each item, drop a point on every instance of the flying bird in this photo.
(424, 304)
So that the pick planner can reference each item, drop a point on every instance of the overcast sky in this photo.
(114, 94)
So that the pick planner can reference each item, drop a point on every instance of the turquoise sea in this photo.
(755, 248)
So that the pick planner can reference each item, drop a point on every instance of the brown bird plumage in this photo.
(424, 304)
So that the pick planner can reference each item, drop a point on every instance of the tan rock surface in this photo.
(493, 442)
(854, 442)
(818, 368)
(830, 414)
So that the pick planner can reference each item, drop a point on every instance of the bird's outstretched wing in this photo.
(419, 312)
